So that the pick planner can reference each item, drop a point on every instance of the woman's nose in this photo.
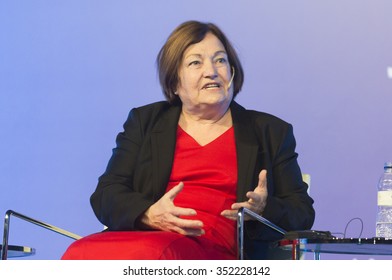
(210, 70)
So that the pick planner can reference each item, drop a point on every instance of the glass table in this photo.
(355, 246)
(19, 251)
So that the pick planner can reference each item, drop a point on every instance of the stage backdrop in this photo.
(70, 71)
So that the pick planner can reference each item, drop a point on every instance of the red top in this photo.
(209, 174)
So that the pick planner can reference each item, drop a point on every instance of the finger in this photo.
(260, 192)
(187, 223)
(175, 191)
(193, 232)
(186, 227)
(236, 206)
(247, 205)
(262, 179)
(230, 214)
(188, 231)
(179, 211)
(254, 197)
(233, 215)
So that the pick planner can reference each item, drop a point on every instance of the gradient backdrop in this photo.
(70, 71)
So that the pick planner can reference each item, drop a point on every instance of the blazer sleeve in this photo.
(288, 204)
(115, 191)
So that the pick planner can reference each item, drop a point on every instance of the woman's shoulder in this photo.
(263, 124)
(258, 117)
(152, 110)
(151, 107)
(148, 116)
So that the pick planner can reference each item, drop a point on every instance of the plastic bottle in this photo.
(384, 203)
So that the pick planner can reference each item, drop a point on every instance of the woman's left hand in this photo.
(256, 202)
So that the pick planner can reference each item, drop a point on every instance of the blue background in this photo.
(70, 71)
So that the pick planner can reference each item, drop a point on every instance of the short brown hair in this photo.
(170, 56)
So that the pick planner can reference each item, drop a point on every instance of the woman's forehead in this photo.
(209, 45)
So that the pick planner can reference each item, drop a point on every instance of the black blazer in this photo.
(139, 169)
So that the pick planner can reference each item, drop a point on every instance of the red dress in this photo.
(209, 174)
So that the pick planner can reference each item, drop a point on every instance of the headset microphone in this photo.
(232, 78)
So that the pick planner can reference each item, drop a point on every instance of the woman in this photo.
(182, 168)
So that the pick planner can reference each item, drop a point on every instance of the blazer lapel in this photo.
(163, 143)
(247, 149)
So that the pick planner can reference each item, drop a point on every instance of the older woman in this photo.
(183, 167)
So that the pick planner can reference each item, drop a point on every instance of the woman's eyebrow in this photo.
(199, 55)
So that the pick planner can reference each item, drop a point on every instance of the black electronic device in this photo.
(308, 234)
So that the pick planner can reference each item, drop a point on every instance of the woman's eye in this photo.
(221, 60)
(194, 63)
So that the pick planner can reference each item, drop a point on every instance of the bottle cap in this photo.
(388, 164)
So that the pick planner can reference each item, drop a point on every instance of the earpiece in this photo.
(232, 77)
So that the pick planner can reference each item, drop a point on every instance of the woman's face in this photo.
(204, 75)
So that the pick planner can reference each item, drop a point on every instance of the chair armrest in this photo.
(7, 221)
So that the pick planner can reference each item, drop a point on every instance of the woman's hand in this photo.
(256, 199)
(164, 215)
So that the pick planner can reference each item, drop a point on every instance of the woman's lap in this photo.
(144, 245)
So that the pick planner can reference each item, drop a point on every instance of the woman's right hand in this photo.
(164, 215)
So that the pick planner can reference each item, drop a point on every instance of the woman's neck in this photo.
(220, 115)
(204, 130)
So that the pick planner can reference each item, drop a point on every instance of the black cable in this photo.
(345, 229)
